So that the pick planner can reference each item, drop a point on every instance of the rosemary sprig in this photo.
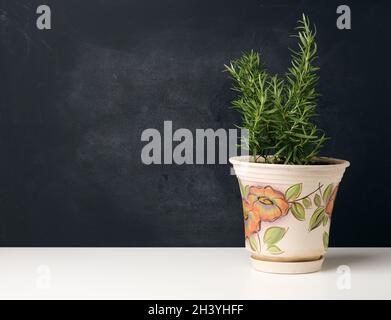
(278, 112)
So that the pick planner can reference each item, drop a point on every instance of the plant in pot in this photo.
(288, 190)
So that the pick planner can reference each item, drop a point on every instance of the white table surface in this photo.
(215, 273)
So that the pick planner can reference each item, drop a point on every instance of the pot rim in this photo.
(332, 163)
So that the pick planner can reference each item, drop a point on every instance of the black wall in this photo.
(75, 100)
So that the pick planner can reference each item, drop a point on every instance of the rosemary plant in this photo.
(278, 112)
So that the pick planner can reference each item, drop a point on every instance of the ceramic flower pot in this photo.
(287, 212)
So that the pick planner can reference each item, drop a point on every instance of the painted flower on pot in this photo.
(252, 219)
(268, 203)
(324, 202)
(263, 204)
(330, 202)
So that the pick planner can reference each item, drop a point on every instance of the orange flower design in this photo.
(330, 202)
(252, 221)
(263, 204)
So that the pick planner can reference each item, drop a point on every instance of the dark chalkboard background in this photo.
(75, 100)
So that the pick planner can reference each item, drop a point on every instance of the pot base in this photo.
(287, 267)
